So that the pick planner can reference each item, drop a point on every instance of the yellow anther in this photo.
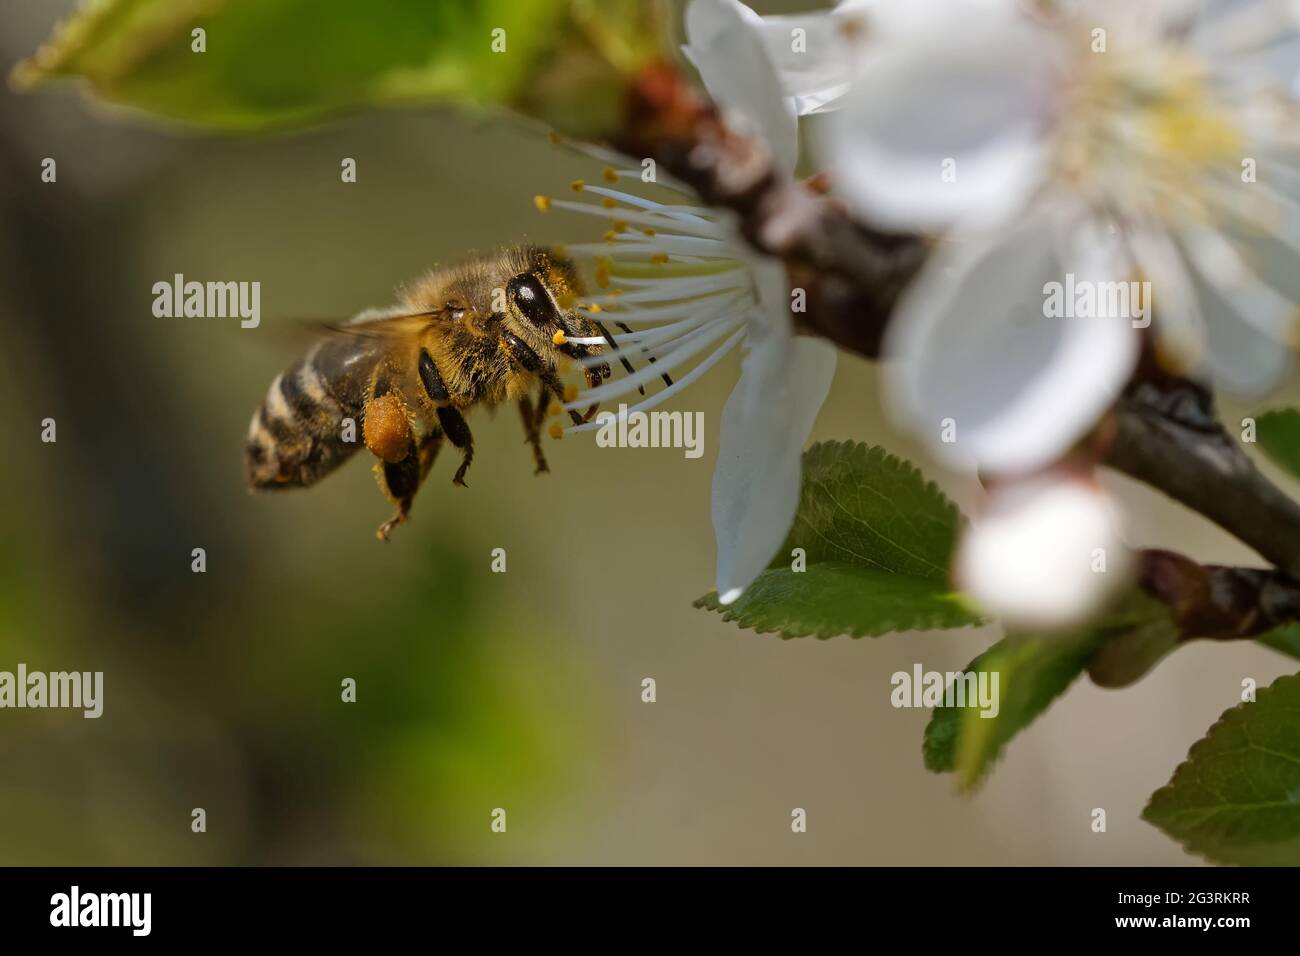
(647, 231)
(595, 307)
(602, 275)
(610, 174)
(608, 203)
(556, 430)
(570, 392)
(659, 258)
(611, 236)
(577, 185)
(554, 409)
(558, 338)
(543, 203)
(555, 138)
(619, 225)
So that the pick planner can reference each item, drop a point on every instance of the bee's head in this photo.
(541, 305)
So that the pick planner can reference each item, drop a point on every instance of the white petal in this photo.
(1248, 326)
(816, 64)
(765, 424)
(725, 45)
(947, 117)
(971, 342)
(1044, 554)
(772, 290)
(1181, 327)
(1260, 37)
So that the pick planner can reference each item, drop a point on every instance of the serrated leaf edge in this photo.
(1233, 713)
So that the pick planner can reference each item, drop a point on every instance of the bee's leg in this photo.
(401, 480)
(594, 377)
(594, 374)
(543, 403)
(554, 386)
(452, 421)
(429, 451)
(532, 432)
(532, 362)
(458, 433)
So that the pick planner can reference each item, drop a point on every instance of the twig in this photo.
(1218, 602)
(1169, 437)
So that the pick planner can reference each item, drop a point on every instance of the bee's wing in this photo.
(395, 323)
(390, 334)
(378, 324)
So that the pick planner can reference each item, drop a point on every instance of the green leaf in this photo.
(1285, 639)
(1134, 643)
(877, 538)
(1032, 671)
(861, 505)
(1236, 799)
(1278, 433)
(833, 598)
(274, 62)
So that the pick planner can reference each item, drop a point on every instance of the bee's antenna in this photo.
(646, 352)
(614, 345)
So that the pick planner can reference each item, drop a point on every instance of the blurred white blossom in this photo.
(1044, 552)
(1111, 141)
(811, 56)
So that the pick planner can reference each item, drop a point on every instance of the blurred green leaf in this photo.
(1137, 638)
(1278, 433)
(1284, 639)
(275, 62)
(877, 538)
(1236, 799)
(1032, 672)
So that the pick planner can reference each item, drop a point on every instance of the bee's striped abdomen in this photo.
(301, 431)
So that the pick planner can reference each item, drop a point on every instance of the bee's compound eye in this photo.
(531, 298)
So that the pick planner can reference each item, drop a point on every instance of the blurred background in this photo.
(475, 690)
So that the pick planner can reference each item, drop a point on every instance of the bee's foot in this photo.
(459, 480)
(387, 527)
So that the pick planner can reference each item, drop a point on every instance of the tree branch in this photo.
(1169, 437)
(1219, 602)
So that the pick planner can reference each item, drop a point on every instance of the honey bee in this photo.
(485, 332)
